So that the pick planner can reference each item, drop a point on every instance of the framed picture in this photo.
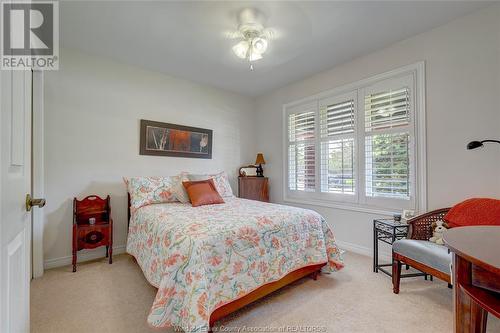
(174, 140)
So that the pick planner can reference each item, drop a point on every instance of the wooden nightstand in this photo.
(254, 188)
(91, 236)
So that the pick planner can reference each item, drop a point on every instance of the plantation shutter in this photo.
(387, 143)
(302, 149)
(359, 146)
(337, 130)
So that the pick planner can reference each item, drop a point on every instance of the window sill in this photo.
(343, 206)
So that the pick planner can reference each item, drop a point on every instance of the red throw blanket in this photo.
(476, 211)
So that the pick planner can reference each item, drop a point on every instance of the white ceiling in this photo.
(189, 39)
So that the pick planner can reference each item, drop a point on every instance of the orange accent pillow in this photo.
(202, 192)
(476, 211)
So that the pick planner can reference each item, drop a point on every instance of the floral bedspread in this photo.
(201, 258)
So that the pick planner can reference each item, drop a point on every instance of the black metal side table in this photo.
(389, 231)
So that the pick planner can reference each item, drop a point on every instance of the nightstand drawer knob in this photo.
(94, 237)
(31, 202)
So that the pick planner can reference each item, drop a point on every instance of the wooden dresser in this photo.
(254, 188)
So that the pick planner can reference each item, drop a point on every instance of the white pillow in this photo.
(178, 189)
(221, 182)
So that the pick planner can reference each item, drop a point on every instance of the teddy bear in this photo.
(438, 229)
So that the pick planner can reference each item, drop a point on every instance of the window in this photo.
(357, 146)
(337, 128)
(301, 149)
(387, 165)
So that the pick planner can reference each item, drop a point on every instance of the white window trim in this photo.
(418, 72)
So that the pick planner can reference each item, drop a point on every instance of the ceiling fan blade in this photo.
(233, 34)
(270, 34)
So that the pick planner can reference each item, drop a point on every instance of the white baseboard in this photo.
(383, 255)
(99, 253)
(84, 255)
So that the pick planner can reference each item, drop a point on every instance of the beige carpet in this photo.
(117, 298)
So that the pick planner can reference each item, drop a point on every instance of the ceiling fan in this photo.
(254, 37)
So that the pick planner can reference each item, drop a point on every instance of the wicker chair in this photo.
(420, 231)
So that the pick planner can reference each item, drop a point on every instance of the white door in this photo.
(15, 183)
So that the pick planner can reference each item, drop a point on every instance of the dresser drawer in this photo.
(253, 188)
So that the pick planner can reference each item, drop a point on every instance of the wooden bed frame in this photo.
(313, 271)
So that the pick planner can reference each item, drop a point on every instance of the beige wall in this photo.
(92, 112)
(463, 103)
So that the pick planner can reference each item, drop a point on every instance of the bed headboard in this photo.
(128, 210)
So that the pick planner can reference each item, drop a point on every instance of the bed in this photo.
(212, 260)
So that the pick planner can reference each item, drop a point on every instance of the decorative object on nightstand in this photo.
(258, 162)
(407, 214)
(388, 231)
(248, 171)
(254, 188)
(92, 225)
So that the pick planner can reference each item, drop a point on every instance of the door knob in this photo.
(30, 202)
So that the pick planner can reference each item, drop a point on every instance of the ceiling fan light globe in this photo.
(241, 49)
(259, 45)
(254, 56)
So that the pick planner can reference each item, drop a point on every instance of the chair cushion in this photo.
(428, 253)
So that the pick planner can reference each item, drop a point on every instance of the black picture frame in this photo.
(165, 139)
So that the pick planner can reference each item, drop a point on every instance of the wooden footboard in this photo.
(265, 290)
